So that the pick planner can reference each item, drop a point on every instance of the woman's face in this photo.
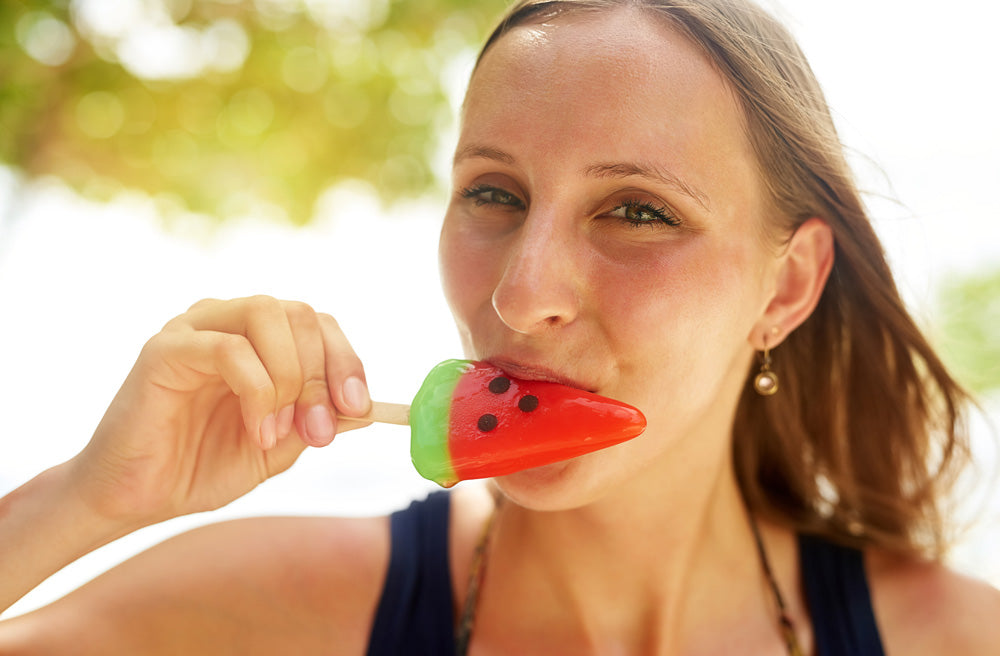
(605, 231)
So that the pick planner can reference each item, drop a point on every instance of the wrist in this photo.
(44, 526)
(93, 499)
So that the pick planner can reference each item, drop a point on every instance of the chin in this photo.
(560, 486)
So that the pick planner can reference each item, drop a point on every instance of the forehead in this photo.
(623, 80)
(638, 43)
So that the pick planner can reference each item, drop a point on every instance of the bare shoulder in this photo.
(251, 586)
(927, 608)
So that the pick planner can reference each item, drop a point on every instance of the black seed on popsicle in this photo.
(499, 385)
(487, 423)
(528, 403)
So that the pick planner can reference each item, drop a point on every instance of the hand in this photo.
(224, 397)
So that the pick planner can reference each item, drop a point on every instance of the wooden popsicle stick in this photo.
(384, 413)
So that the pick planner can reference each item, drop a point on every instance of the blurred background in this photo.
(154, 152)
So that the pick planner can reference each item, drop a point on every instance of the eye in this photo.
(489, 195)
(640, 213)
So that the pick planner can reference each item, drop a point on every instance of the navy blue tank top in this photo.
(416, 616)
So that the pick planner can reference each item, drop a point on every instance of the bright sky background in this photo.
(82, 286)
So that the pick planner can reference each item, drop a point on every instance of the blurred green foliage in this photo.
(222, 104)
(970, 322)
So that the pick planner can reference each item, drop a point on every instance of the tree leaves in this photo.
(223, 104)
(970, 321)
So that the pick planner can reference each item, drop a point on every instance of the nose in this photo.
(540, 282)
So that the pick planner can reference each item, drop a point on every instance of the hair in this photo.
(867, 434)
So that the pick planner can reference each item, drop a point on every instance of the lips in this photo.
(526, 371)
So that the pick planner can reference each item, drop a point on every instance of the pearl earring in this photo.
(766, 382)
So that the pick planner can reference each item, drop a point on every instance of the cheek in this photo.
(685, 313)
(466, 273)
(695, 284)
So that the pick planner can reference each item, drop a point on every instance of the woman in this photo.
(650, 203)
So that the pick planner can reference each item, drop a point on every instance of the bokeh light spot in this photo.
(100, 114)
(304, 69)
(108, 19)
(225, 45)
(401, 172)
(247, 115)
(345, 107)
(348, 15)
(409, 109)
(45, 38)
(162, 52)
(276, 15)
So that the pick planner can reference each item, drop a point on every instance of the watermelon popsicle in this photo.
(472, 420)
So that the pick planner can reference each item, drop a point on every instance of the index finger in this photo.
(344, 372)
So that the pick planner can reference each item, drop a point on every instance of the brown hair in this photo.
(867, 433)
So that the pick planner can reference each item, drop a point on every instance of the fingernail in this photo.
(268, 433)
(356, 394)
(285, 417)
(319, 425)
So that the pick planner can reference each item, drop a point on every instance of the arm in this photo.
(255, 586)
(44, 526)
(224, 397)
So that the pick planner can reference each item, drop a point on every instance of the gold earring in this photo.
(766, 382)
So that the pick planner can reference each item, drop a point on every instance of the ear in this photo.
(803, 269)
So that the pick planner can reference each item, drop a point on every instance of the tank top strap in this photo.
(416, 612)
(836, 590)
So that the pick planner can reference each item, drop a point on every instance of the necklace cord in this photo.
(785, 624)
(463, 633)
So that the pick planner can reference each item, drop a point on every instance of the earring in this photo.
(766, 382)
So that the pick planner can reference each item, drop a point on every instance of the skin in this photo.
(641, 548)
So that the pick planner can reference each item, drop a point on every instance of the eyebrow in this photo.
(611, 170)
(484, 152)
(650, 172)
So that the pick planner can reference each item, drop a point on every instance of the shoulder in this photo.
(262, 585)
(927, 608)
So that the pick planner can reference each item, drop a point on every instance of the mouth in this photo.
(526, 371)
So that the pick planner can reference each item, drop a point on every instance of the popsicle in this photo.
(472, 420)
